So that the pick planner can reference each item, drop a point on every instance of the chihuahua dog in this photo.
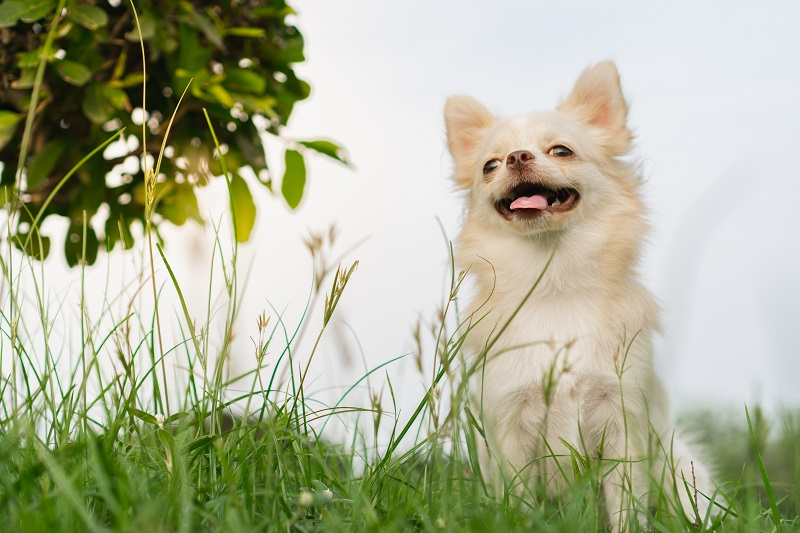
(562, 327)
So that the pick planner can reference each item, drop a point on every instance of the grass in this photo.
(85, 445)
(94, 449)
(105, 425)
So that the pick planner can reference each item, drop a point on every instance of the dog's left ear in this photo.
(597, 101)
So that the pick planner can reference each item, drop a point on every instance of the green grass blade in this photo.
(68, 489)
(773, 504)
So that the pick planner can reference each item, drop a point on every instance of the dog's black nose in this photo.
(518, 159)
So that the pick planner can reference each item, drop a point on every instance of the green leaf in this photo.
(31, 59)
(239, 79)
(134, 79)
(88, 16)
(776, 513)
(178, 203)
(293, 52)
(199, 442)
(294, 178)
(244, 31)
(254, 104)
(11, 11)
(167, 439)
(147, 24)
(218, 93)
(303, 90)
(243, 207)
(251, 148)
(33, 249)
(73, 73)
(118, 229)
(176, 417)
(43, 162)
(8, 125)
(7, 192)
(272, 12)
(37, 9)
(143, 416)
(73, 244)
(202, 23)
(28, 10)
(63, 29)
(66, 488)
(99, 102)
(329, 149)
(26, 79)
(192, 57)
(96, 105)
(117, 97)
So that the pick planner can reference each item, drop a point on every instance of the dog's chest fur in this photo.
(568, 342)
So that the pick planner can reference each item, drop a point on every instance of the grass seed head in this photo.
(263, 321)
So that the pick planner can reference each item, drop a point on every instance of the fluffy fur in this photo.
(575, 363)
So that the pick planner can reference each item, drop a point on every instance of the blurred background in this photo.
(712, 89)
(712, 92)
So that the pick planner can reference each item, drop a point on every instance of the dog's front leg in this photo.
(617, 430)
(513, 430)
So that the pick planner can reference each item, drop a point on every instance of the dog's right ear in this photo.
(467, 121)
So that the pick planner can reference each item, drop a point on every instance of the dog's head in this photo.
(545, 170)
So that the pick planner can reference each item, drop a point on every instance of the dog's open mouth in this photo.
(529, 200)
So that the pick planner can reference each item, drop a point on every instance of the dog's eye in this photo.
(491, 166)
(560, 151)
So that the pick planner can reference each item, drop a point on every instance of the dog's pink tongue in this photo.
(537, 201)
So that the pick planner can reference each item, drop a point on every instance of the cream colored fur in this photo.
(580, 347)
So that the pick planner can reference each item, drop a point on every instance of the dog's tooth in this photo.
(556, 202)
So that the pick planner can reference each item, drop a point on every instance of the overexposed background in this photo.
(713, 95)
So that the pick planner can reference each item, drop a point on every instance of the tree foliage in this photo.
(235, 59)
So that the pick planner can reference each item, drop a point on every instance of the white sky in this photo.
(713, 89)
